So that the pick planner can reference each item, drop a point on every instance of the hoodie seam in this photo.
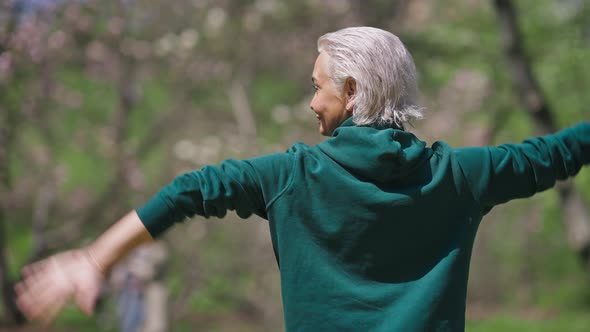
(290, 181)
(469, 185)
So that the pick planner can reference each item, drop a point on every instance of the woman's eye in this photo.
(315, 87)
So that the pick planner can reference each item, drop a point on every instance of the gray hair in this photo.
(383, 70)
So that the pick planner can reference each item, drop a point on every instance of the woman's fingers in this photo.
(33, 276)
(38, 296)
(29, 292)
(34, 268)
(24, 300)
(48, 285)
(86, 304)
(45, 289)
(51, 312)
(48, 300)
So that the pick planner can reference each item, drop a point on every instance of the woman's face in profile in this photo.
(328, 103)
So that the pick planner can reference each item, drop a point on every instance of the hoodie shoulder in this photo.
(377, 154)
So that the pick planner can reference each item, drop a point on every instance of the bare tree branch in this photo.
(242, 112)
(531, 96)
(41, 211)
(576, 215)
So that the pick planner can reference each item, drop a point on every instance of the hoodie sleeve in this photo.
(245, 186)
(499, 174)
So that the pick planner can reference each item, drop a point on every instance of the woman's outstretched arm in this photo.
(77, 274)
(244, 186)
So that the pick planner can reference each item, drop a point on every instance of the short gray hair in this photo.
(384, 72)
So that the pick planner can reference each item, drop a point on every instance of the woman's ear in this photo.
(349, 90)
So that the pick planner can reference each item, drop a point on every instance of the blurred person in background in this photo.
(372, 230)
(141, 295)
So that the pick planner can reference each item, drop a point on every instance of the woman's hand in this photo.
(50, 284)
(78, 274)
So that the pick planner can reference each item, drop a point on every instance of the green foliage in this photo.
(20, 245)
(72, 320)
(213, 296)
(267, 90)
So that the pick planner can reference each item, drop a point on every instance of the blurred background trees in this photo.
(104, 102)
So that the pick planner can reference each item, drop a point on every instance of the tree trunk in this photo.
(11, 311)
(12, 314)
(576, 215)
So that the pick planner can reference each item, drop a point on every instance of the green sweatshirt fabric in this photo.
(372, 229)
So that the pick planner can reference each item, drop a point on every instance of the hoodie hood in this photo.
(378, 153)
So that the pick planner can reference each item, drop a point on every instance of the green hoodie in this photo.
(372, 230)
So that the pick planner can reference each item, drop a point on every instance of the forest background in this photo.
(104, 102)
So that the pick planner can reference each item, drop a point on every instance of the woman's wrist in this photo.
(114, 244)
(92, 258)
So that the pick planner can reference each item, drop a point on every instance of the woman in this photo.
(372, 230)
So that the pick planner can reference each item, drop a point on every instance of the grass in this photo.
(505, 322)
(570, 322)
